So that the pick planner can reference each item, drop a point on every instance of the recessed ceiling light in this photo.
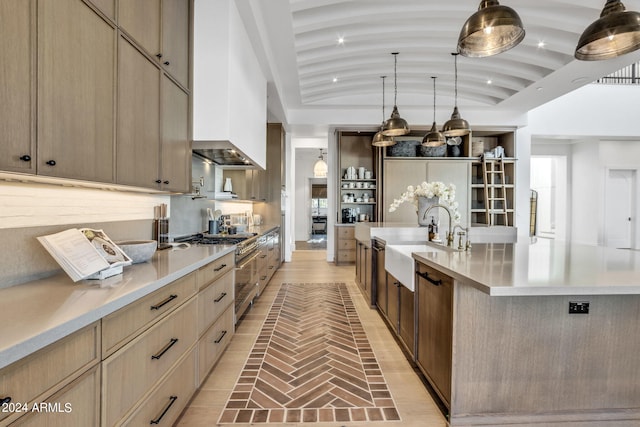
(335, 80)
(541, 44)
(340, 40)
(489, 81)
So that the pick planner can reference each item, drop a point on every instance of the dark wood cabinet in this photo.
(393, 301)
(406, 315)
(434, 293)
(380, 279)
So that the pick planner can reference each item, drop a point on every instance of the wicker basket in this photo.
(404, 148)
(439, 151)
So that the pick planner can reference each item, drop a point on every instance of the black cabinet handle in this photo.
(220, 268)
(5, 400)
(51, 162)
(220, 338)
(25, 158)
(165, 182)
(166, 409)
(158, 181)
(165, 302)
(166, 348)
(425, 276)
(158, 55)
(222, 295)
(166, 62)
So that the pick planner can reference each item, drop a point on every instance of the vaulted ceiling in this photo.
(316, 78)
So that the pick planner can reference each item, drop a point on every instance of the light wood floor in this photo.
(413, 402)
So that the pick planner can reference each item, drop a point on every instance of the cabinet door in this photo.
(17, 109)
(393, 302)
(141, 20)
(398, 174)
(457, 173)
(406, 307)
(381, 281)
(76, 54)
(368, 276)
(138, 143)
(175, 39)
(435, 329)
(176, 149)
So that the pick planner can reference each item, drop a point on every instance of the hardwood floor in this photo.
(412, 401)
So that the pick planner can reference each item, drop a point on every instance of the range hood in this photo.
(222, 153)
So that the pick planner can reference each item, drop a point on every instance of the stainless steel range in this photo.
(246, 271)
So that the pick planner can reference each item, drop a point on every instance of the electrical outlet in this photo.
(578, 307)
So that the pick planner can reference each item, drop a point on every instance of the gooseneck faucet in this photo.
(450, 230)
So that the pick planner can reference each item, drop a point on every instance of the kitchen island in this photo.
(532, 333)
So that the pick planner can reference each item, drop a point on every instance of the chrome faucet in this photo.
(450, 230)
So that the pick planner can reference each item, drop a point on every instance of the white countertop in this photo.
(545, 267)
(38, 313)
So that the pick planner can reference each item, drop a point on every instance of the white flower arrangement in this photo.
(445, 193)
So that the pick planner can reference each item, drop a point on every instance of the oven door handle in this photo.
(248, 261)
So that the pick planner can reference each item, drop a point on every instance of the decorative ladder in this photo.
(495, 192)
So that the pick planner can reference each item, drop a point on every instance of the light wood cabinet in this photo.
(75, 81)
(214, 341)
(434, 318)
(120, 327)
(76, 405)
(138, 124)
(37, 377)
(108, 7)
(175, 170)
(212, 271)
(17, 86)
(133, 370)
(141, 20)
(167, 400)
(345, 244)
(214, 300)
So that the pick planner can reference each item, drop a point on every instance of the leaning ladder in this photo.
(495, 192)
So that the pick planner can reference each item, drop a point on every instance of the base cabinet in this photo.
(406, 315)
(345, 251)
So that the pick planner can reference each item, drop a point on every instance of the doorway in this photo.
(619, 227)
(549, 179)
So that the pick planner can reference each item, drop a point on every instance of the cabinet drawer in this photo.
(346, 255)
(131, 371)
(346, 244)
(76, 405)
(346, 232)
(121, 326)
(212, 301)
(215, 269)
(432, 275)
(166, 402)
(36, 377)
(213, 343)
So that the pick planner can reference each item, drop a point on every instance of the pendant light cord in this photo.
(455, 66)
(383, 78)
(395, 78)
(434, 98)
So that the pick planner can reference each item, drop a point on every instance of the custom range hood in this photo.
(222, 153)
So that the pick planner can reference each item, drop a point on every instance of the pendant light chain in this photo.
(434, 98)
(383, 78)
(455, 62)
(395, 79)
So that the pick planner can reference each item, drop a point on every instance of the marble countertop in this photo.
(38, 313)
(543, 267)
(397, 232)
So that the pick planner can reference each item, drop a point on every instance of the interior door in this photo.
(619, 208)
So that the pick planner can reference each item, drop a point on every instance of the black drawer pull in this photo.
(222, 295)
(425, 276)
(5, 400)
(25, 158)
(220, 268)
(166, 409)
(51, 162)
(165, 349)
(165, 302)
(221, 336)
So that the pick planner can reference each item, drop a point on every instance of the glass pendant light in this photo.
(379, 139)
(396, 125)
(320, 168)
(456, 125)
(434, 138)
(493, 29)
(615, 33)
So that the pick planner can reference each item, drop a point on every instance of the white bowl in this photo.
(138, 250)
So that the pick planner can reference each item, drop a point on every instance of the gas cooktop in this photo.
(215, 239)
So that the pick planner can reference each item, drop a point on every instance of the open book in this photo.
(85, 253)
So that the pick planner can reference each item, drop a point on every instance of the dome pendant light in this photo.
(434, 138)
(320, 168)
(456, 126)
(380, 140)
(616, 32)
(493, 29)
(396, 125)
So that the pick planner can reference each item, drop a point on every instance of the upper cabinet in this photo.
(229, 88)
(161, 29)
(17, 109)
(75, 81)
(174, 143)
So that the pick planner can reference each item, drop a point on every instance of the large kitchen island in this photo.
(536, 333)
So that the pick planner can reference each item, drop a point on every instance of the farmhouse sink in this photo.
(399, 263)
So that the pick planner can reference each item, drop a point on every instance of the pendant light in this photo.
(615, 33)
(493, 29)
(320, 168)
(434, 138)
(456, 126)
(396, 125)
(379, 139)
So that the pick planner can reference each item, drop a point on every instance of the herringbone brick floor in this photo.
(311, 362)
